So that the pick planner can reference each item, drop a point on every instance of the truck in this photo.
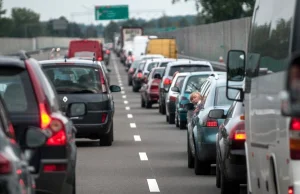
(270, 98)
(128, 33)
(163, 46)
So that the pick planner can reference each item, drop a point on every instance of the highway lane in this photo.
(147, 155)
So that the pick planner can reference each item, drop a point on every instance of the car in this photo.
(132, 69)
(164, 61)
(231, 168)
(85, 81)
(15, 172)
(150, 56)
(150, 90)
(31, 101)
(86, 48)
(142, 72)
(171, 96)
(183, 65)
(191, 83)
(202, 133)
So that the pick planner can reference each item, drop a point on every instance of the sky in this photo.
(83, 11)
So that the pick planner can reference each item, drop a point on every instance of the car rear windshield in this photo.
(74, 79)
(151, 66)
(158, 71)
(188, 68)
(194, 83)
(135, 64)
(221, 99)
(164, 64)
(17, 91)
(179, 82)
(84, 54)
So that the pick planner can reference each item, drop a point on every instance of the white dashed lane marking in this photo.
(122, 92)
(125, 102)
(123, 96)
(132, 125)
(153, 186)
(127, 108)
(143, 156)
(129, 116)
(137, 138)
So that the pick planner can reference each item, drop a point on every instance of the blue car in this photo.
(204, 127)
(191, 83)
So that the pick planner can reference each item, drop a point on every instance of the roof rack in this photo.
(22, 54)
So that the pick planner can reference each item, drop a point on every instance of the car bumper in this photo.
(235, 166)
(137, 82)
(91, 130)
(207, 152)
(153, 96)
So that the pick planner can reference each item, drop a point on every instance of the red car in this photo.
(150, 90)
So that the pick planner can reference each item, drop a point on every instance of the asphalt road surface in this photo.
(147, 155)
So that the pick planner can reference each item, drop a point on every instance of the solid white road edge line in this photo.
(152, 184)
(132, 125)
(137, 138)
(143, 156)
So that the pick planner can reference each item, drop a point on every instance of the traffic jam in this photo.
(241, 121)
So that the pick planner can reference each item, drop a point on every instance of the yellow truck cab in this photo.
(164, 46)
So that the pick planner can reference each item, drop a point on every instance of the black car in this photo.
(15, 173)
(85, 81)
(231, 159)
(32, 102)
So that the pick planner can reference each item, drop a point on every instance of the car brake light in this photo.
(238, 133)
(5, 165)
(12, 135)
(54, 167)
(107, 51)
(139, 75)
(103, 117)
(211, 123)
(99, 58)
(295, 138)
(103, 84)
(58, 137)
(291, 190)
(167, 81)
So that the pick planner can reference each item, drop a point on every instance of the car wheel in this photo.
(142, 102)
(190, 155)
(218, 178)
(148, 104)
(135, 89)
(129, 82)
(159, 108)
(201, 168)
(172, 119)
(107, 139)
(182, 124)
(228, 187)
(74, 184)
(163, 109)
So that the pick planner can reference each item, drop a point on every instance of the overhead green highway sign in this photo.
(111, 12)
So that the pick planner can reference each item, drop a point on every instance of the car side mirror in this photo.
(216, 114)
(235, 73)
(36, 137)
(76, 109)
(157, 76)
(115, 88)
(175, 89)
(189, 106)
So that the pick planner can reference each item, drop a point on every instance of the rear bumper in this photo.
(235, 166)
(137, 82)
(92, 131)
(153, 96)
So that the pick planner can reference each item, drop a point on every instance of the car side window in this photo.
(231, 110)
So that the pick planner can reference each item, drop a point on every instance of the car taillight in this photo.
(5, 165)
(238, 133)
(99, 58)
(211, 123)
(139, 75)
(103, 83)
(295, 138)
(54, 167)
(291, 190)
(107, 51)
(154, 87)
(103, 117)
(131, 70)
(57, 128)
(167, 81)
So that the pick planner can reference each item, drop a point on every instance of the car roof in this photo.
(11, 61)
(183, 74)
(200, 73)
(152, 55)
(184, 62)
(87, 63)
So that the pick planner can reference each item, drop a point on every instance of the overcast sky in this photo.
(56, 8)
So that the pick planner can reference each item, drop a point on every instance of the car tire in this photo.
(135, 89)
(74, 184)
(172, 119)
(201, 168)
(107, 139)
(129, 82)
(182, 125)
(176, 120)
(190, 155)
(228, 187)
(167, 118)
(159, 108)
(148, 104)
(142, 102)
(218, 177)
(163, 109)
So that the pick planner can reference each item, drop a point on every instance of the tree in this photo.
(220, 10)
(6, 26)
(110, 30)
(2, 11)
(183, 22)
(91, 32)
(26, 22)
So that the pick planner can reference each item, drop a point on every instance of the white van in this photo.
(139, 45)
(272, 146)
